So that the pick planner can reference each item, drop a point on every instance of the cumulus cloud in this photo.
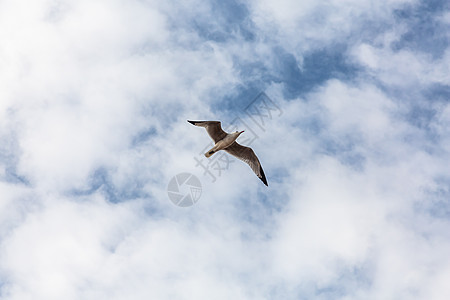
(95, 98)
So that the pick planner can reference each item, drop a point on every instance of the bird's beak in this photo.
(242, 131)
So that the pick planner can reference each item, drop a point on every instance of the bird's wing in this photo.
(247, 155)
(213, 128)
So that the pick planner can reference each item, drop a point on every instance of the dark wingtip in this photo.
(263, 176)
(192, 122)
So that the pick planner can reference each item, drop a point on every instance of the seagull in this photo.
(227, 141)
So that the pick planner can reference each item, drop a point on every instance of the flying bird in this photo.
(227, 141)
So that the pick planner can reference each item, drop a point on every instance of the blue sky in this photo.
(94, 98)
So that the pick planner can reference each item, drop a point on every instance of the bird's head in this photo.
(239, 132)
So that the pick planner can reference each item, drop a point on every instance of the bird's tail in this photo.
(209, 153)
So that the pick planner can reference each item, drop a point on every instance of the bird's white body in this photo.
(223, 143)
(227, 142)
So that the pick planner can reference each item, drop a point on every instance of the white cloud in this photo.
(403, 68)
(107, 87)
(317, 24)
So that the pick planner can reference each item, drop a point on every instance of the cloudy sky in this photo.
(354, 138)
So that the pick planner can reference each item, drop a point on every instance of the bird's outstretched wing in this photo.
(213, 128)
(247, 155)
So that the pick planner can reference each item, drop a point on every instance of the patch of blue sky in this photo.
(317, 67)
(9, 159)
(331, 292)
(350, 279)
(233, 104)
(345, 149)
(231, 20)
(278, 176)
(369, 31)
(425, 32)
(422, 104)
(12, 176)
(261, 209)
(422, 116)
(437, 93)
(101, 181)
(216, 21)
(143, 136)
(420, 107)
(255, 74)
(280, 290)
(438, 200)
